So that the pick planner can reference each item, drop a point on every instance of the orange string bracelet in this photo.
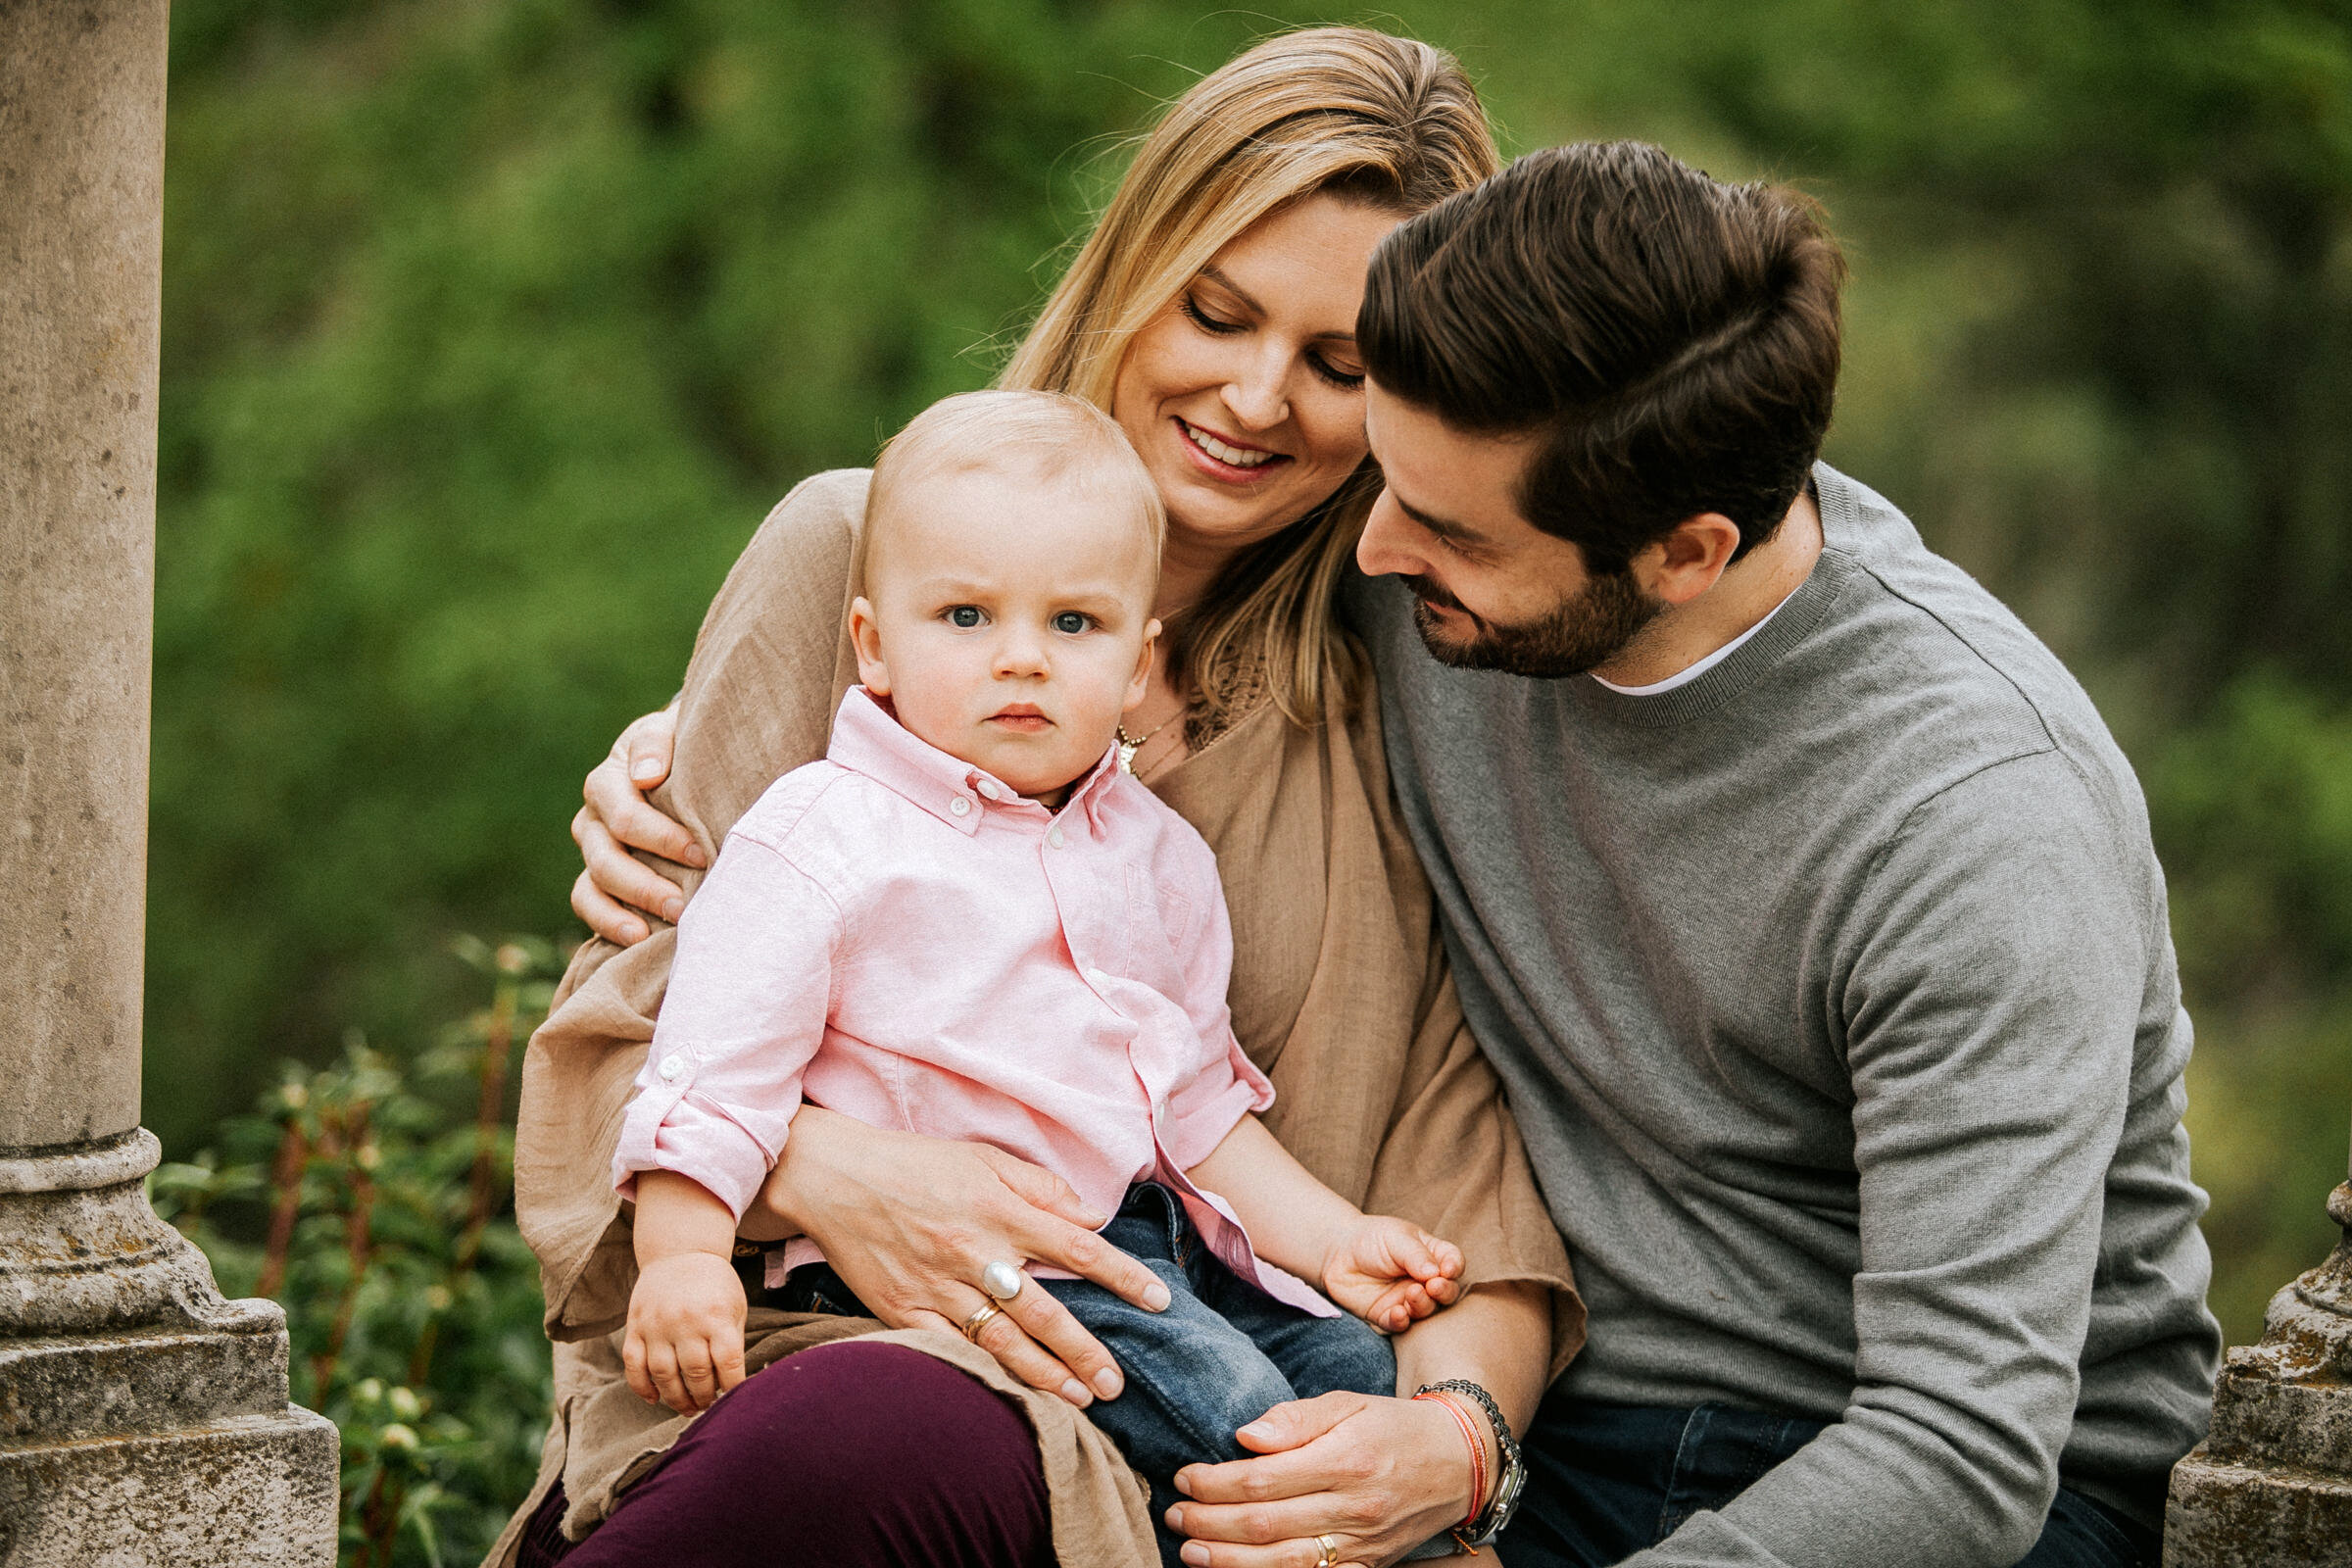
(1478, 1462)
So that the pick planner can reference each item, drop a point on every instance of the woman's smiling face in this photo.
(1245, 395)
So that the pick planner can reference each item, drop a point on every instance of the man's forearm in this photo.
(1498, 1337)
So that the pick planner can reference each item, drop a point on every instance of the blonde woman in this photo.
(1212, 313)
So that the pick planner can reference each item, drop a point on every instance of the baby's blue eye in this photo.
(1070, 623)
(963, 616)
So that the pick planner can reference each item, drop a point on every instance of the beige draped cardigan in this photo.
(1340, 994)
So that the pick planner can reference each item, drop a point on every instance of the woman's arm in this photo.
(769, 663)
(1380, 1475)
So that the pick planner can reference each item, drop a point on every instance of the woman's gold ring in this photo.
(979, 1320)
(1330, 1551)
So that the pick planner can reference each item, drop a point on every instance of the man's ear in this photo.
(1687, 562)
(1142, 683)
(866, 636)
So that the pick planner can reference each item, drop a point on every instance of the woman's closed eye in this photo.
(1346, 380)
(1216, 326)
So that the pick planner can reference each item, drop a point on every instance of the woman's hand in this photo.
(908, 1222)
(1380, 1476)
(618, 816)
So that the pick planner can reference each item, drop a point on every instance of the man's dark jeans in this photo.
(1221, 1356)
(1604, 1481)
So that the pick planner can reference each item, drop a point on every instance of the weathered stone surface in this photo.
(251, 1490)
(81, 166)
(2271, 1486)
(146, 1380)
(2257, 1415)
(2241, 1516)
(81, 1250)
(165, 1445)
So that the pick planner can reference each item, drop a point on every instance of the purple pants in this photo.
(850, 1455)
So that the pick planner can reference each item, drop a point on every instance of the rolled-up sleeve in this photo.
(744, 1013)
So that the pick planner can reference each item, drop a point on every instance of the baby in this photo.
(969, 921)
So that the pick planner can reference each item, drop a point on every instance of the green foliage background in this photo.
(492, 327)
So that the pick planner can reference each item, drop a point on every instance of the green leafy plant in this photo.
(373, 1198)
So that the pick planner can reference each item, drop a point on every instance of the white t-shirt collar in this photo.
(1685, 676)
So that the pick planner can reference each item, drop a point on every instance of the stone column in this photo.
(2271, 1483)
(143, 1420)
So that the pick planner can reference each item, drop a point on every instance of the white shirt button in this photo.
(961, 805)
(1054, 837)
(671, 1066)
(988, 787)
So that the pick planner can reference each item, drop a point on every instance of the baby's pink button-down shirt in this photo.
(896, 935)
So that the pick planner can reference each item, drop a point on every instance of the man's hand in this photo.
(1380, 1476)
(685, 1339)
(1391, 1272)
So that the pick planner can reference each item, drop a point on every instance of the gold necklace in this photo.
(1129, 745)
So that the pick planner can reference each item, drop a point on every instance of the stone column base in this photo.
(255, 1490)
(2271, 1486)
(2245, 1516)
(143, 1420)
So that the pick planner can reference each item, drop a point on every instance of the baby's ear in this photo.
(866, 636)
(1142, 683)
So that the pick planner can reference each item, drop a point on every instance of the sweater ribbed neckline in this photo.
(1799, 616)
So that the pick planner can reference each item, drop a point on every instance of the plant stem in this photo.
(486, 1119)
(379, 1521)
(285, 1190)
(489, 1115)
(355, 1239)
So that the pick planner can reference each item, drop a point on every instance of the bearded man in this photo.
(1797, 892)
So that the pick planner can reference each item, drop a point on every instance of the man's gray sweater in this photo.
(1833, 994)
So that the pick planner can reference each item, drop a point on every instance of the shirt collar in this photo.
(868, 739)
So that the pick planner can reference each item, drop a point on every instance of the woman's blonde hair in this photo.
(1377, 119)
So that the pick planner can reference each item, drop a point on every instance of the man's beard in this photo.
(1575, 637)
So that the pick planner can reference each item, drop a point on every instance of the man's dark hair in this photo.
(1671, 340)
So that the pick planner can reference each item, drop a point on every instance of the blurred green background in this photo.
(493, 326)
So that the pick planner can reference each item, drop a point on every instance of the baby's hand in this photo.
(685, 1343)
(1391, 1272)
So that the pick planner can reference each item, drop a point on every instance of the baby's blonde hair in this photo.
(1049, 436)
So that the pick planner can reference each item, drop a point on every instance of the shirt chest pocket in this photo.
(1159, 931)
